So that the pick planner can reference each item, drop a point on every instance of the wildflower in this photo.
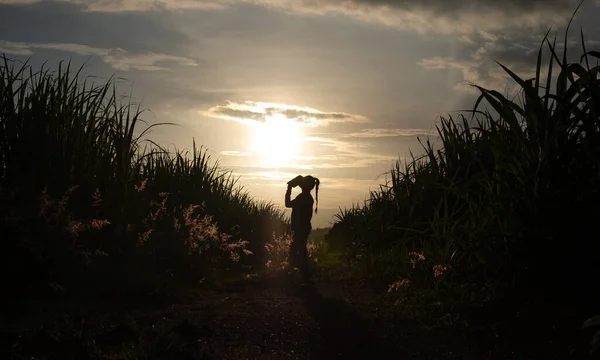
(439, 270)
(98, 224)
(399, 301)
(142, 185)
(211, 231)
(235, 257)
(163, 206)
(227, 237)
(75, 227)
(277, 249)
(192, 247)
(188, 214)
(45, 202)
(415, 257)
(311, 249)
(62, 204)
(96, 198)
(143, 237)
(398, 284)
(55, 287)
(100, 253)
(70, 190)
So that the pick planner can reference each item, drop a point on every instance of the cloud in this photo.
(7, 47)
(379, 133)
(274, 176)
(329, 153)
(439, 16)
(424, 16)
(476, 60)
(280, 178)
(251, 112)
(117, 58)
(344, 154)
(18, 2)
(132, 5)
(235, 153)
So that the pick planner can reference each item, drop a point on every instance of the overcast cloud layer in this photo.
(442, 16)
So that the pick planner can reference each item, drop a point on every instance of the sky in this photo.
(338, 89)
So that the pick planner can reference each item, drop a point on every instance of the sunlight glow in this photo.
(277, 141)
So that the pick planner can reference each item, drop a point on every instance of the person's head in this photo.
(307, 184)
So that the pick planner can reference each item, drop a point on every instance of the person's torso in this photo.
(302, 211)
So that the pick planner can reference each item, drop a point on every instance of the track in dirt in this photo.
(342, 333)
(259, 318)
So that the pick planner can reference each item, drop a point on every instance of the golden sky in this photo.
(338, 89)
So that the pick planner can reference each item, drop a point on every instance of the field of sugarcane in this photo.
(89, 205)
(499, 212)
(503, 203)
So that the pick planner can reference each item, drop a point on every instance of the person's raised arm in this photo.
(288, 201)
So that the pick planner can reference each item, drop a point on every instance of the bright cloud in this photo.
(379, 133)
(345, 154)
(235, 153)
(251, 112)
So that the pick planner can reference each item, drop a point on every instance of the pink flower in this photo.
(439, 270)
(96, 198)
(416, 256)
(142, 185)
(98, 224)
(398, 284)
(143, 237)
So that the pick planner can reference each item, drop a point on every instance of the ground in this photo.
(271, 317)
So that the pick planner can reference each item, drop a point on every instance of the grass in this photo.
(501, 207)
(90, 207)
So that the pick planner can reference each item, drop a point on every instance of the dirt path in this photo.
(271, 318)
(277, 319)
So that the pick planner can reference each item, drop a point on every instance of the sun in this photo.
(277, 141)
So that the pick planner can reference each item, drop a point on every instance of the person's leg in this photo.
(295, 249)
(298, 255)
(303, 253)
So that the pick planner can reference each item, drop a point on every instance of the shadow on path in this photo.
(343, 334)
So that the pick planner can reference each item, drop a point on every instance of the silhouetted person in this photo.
(302, 207)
